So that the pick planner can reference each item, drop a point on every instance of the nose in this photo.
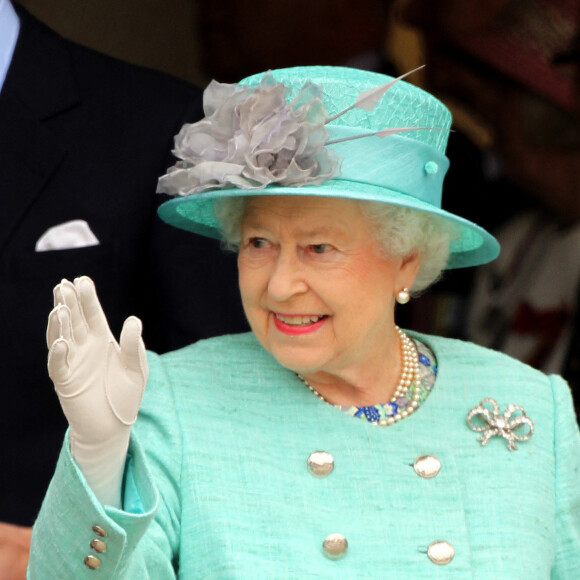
(287, 277)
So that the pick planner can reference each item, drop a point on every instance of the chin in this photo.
(298, 359)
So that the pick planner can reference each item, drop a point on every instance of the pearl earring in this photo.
(403, 296)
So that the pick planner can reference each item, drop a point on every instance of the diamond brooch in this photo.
(491, 423)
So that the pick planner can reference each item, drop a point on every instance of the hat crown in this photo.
(392, 152)
(403, 105)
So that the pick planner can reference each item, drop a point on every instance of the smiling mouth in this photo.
(300, 320)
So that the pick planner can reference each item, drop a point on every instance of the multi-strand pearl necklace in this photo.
(408, 386)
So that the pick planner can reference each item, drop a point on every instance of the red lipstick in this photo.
(295, 329)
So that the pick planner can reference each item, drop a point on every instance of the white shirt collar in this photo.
(9, 29)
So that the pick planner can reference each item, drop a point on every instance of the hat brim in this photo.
(195, 213)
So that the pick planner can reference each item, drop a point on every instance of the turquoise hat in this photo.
(322, 131)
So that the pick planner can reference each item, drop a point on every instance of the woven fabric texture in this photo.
(223, 491)
(403, 105)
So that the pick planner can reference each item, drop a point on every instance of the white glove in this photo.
(98, 382)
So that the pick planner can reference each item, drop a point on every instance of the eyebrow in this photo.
(310, 233)
(323, 231)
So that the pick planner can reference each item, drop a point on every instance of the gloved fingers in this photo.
(130, 338)
(91, 307)
(58, 362)
(59, 325)
(65, 293)
(56, 293)
(133, 348)
(125, 401)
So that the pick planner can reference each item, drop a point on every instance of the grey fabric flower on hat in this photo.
(251, 137)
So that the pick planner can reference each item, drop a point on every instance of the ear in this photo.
(410, 265)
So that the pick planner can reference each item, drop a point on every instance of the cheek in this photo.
(252, 281)
(247, 286)
(371, 289)
(250, 295)
(370, 277)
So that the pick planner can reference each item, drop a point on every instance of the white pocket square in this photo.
(73, 234)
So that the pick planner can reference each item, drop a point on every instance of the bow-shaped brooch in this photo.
(502, 425)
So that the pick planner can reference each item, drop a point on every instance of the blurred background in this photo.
(198, 40)
(225, 39)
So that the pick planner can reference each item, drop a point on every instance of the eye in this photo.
(320, 248)
(258, 242)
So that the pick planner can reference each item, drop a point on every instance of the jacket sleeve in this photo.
(74, 530)
(567, 456)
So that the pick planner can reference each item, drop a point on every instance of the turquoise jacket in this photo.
(217, 485)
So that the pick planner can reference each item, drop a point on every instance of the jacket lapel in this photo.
(39, 86)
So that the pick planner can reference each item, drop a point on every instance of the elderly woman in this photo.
(327, 443)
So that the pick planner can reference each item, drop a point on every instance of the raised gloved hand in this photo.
(99, 383)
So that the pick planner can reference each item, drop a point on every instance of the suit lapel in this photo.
(29, 155)
(39, 86)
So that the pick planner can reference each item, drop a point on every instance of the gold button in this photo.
(99, 531)
(440, 552)
(98, 546)
(320, 463)
(335, 546)
(92, 562)
(427, 466)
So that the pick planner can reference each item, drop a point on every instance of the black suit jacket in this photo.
(83, 136)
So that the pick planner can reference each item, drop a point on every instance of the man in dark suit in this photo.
(83, 139)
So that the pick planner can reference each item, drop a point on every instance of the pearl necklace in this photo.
(407, 381)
